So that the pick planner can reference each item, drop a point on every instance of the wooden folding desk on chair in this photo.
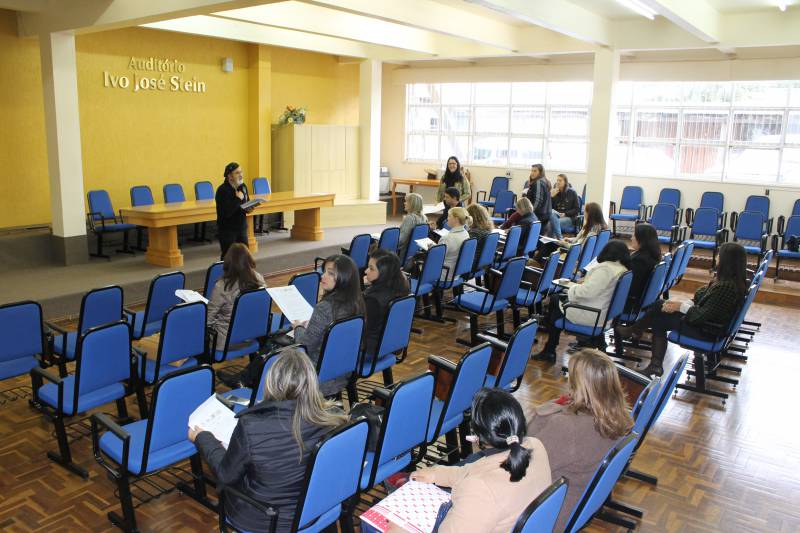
(162, 221)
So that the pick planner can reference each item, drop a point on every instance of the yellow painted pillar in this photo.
(598, 172)
(260, 106)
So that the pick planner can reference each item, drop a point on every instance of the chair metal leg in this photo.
(641, 476)
(64, 456)
(198, 490)
(451, 439)
(126, 249)
(616, 520)
(388, 379)
(99, 252)
(122, 411)
(140, 239)
(464, 444)
(128, 520)
(623, 508)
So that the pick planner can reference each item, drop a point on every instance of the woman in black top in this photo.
(385, 282)
(539, 195)
(267, 455)
(231, 218)
(646, 255)
(565, 207)
(703, 317)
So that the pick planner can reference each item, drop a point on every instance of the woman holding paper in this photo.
(239, 275)
(489, 494)
(481, 227)
(413, 218)
(267, 455)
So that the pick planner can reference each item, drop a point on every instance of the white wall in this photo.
(393, 120)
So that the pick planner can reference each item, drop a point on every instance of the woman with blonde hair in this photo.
(414, 217)
(481, 227)
(267, 455)
(523, 217)
(459, 221)
(579, 432)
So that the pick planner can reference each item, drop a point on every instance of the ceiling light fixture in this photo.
(639, 7)
(782, 5)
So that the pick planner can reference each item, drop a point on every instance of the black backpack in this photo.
(374, 415)
(793, 243)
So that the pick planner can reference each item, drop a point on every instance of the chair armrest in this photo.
(476, 287)
(381, 393)
(775, 243)
(494, 341)
(689, 216)
(478, 196)
(119, 217)
(102, 421)
(38, 374)
(612, 207)
(534, 270)
(721, 235)
(594, 310)
(56, 328)
(132, 316)
(764, 238)
(526, 284)
(769, 224)
(442, 364)
(781, 224)
(734, 220)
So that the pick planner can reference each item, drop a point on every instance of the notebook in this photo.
(413, 507)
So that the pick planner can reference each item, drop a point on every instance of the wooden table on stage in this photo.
(411, 182)
(162, 221)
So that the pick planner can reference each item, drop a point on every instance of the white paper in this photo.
(432, 209)
(213, 416)
(592, 264)
(564, 282)
(441, 232)
(375, 236)
(413, 507)
(291, 302)
(546, 239)
(499, 230)
(424, 243)
(189, 296)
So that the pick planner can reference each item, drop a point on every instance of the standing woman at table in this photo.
(454, 176)
(231, 218)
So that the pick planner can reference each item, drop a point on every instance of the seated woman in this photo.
(239, 275)
(489, 494)
(267, 455)
(704, 316)
(578, 434)
(593, 223)
(565, 207)
(481, 227)
(342, 298)
(455, 176)
(524, 218)
(414, 217)
(595, 290)
(458, 220)
(385, 281)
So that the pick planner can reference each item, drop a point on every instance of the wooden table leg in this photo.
(307, 225)
(252, 243)
(162, 247)
(394, 199)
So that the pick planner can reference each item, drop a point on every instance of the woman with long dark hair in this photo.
(703, 317)
(385, 281)
(238, 275)
(565, 207)
(454, 176)
(539, 195)
(514, 468)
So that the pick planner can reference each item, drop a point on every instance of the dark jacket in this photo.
(642, 266)
(377, 300)
(231, 217)
(714, 304)
(263, 461)
(525, 224)
(443, 218)
(539, 195)
(480, 236)
(567, 203)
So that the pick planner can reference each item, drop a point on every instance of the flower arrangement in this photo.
(293, 115)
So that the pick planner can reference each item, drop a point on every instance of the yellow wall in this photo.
(158, 137)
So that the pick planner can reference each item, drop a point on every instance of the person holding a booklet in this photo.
(413, 218)
(271, 443)
(595, 290)
(480, 228)
(459, 221)
(231, 216)
(489, 494)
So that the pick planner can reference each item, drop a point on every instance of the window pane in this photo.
(423, 147)
(528, 93)
(657, 93)
(761, 93)
(794, 96)
(490, 151)
(568, 121)
(752, 164)
(701, 160)
(657, 124)
(705, 126)
(566, 155)
(622, 126)
(491, 119)
(652, 159)
(570, 93)
(707, 93)
(757, 127)
(527, 120)
(492, 93)
(619, 157)
(793, 128)
(623, 93)
(423, 119)
(455, 119)
(456, 93)
(423, 93)
(790, 166)
(524, 152)
(456, 145)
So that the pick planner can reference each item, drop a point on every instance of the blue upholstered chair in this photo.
(141, 195)
(568, 268)
(510, 247)
(516, 355)
(531, 239)
(22, 338)
(499, 183)
(390, 239)
(213, 273)
(103, 220)
(394, 340)
(250, 321)
(160, 297)
(465, 378)
(256, 395)
(782, 219)
(105, 372)
(674, 267)
(429, 275)
(503, 206)
(750, 228)
(486, 256)
(173, 193)
(541, 515)
(159, 441)
(359, 250)
(587, 254)
(261, 186)
(707, 232)
(664, 220)
(420, 231)
(203, 190)
(632, 198)
(530, 295)
(455, 278)
(792, 229)
(670, 196)
(602, 239)
(651, 294)
(98, 307)
(340, 351)
(404, 428)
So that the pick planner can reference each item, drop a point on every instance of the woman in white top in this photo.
(459, 221)
(595, 290)
(414, 217)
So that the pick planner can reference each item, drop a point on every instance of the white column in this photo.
(369, 122)
(62, 123)
(598, 172)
